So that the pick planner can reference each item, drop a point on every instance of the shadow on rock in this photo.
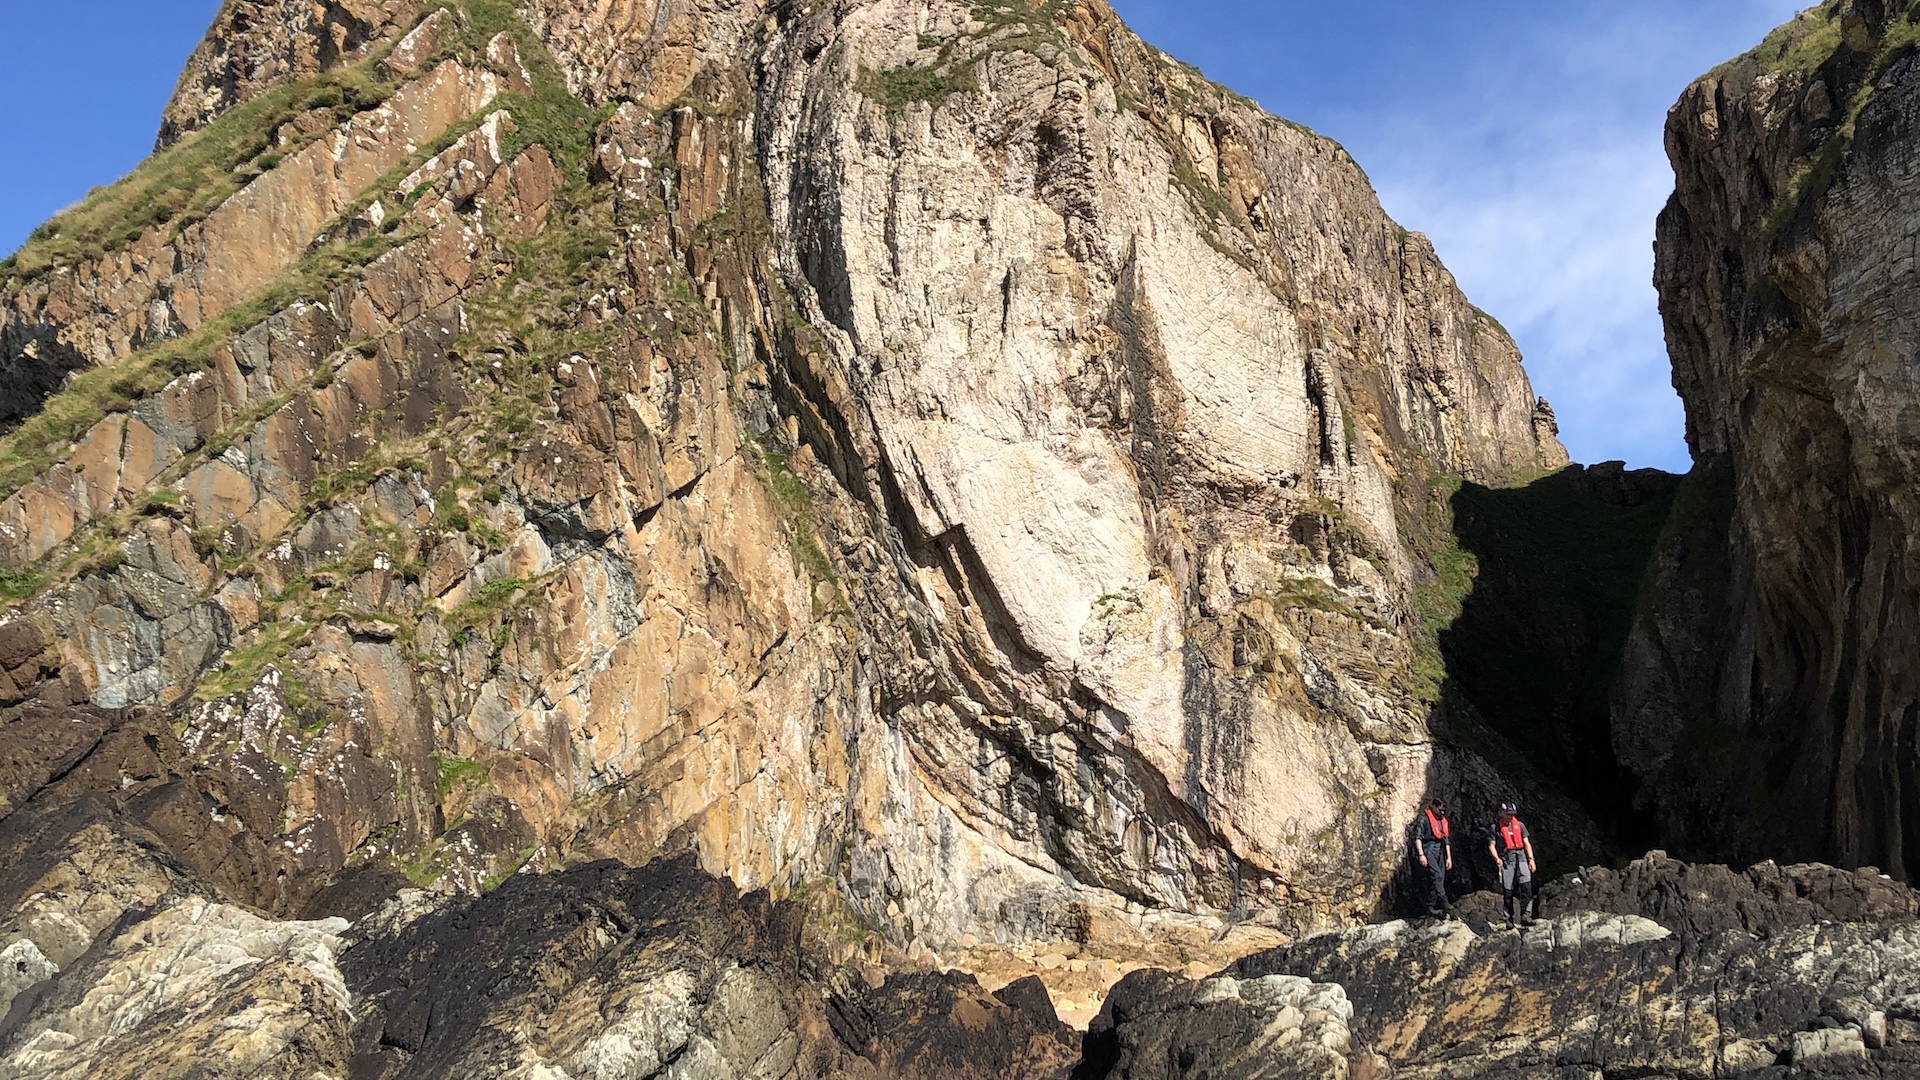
(615, 970)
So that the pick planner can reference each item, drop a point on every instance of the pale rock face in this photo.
(166, 990)
(989, 505)
(1083, 395)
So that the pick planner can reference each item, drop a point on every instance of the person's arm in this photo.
(1529, 843)
(1419, 849)
(1493, 849)
(1449, 842)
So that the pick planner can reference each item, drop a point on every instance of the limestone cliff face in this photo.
(1778, 634)
(949, 451)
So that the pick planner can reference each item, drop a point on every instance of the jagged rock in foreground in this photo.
(606, 971)
(949, 454)
(1770, 699)
(1824, 980)
(600, 972)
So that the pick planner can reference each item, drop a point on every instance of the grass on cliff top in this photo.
(1802, 43)
(1813, 179)
(1812, 45)
(184, 182)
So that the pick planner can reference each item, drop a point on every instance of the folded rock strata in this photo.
(953, 453)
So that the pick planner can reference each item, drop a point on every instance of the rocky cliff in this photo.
(710, 539)
(950, 454)
(1770, 702)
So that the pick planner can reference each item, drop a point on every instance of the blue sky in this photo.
(1525, 139)
(83, 83)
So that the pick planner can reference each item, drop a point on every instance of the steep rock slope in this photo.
(1770, 701)
(948, 451)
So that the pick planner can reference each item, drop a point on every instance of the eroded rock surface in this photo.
(601, 972)
(607, 971)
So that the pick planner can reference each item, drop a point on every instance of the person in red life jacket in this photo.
(1433, 846)
(1512, 850)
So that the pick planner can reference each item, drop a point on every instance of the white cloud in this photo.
(1557, 244)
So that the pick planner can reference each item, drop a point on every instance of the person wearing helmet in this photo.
(1512, 849)
(1433, 847)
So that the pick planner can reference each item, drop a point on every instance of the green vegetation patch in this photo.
(18, 585)
(201, 166)
(506, 867)
(1313, 594)
(89, 396)
(550, 115)
(242, 666)
(794, 503)
(1812, 44)
(1804, 43)
(896, 88)
(457, 772)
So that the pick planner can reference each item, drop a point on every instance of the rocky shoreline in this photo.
(1660, 969)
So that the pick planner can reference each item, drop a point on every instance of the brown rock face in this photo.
(1771, 704)
(257, 45)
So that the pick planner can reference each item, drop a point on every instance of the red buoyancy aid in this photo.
(1436, 826)
(1513, 835)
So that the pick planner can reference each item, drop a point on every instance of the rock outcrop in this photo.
(954, 454)
(1683, 970)
(505, 478)
(600, 972)
(1770, 698)
(255, 47)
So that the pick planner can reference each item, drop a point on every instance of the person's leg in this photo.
(1524, 887)
(1436, 884)
(1507, 870)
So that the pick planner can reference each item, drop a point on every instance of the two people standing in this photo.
(1510, 844)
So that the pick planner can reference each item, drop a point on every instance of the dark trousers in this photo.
(1516, 883)
(1436, 879)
